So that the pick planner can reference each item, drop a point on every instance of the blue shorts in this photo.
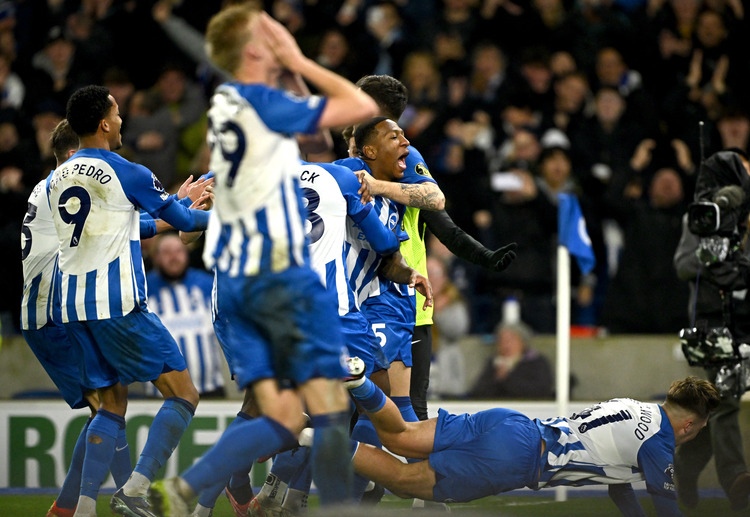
(362, 342)
(484, 454)
(60, 359)
(135, 347)
(221, 330)
(283, 325)
(392, 326)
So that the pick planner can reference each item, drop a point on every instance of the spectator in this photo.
(334, 52)
(118, 81)
(602, 146)
(597, 24)
(714, 77)
(733, 127)
(181, 98)
(572, 100)
(452, 34)
(56, 70)
(488, 80)
(151, 136)
(13, 196)
(670, 26)
(612, 70)
(535, 81)
(48, 114)
(422, 78)
(562, 63)
(181, 296)
(516, 370)
(652, 222)
(12, 89)
(450, 323)
(385, 25)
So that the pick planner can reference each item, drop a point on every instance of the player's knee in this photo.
(192, 396)
(293, 422)
(402, 483)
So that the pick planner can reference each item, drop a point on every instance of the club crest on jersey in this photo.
(422, 170)
(159, 187)
(392, 221)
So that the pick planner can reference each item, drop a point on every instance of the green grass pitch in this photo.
(506, 505)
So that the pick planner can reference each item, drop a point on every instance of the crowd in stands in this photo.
(603, 98)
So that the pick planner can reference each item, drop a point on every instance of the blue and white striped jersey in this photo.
(333, 206)
(258, 211)
(38, 255)
(184, 306)
(94, 199)
(362, 260)
(619, 441)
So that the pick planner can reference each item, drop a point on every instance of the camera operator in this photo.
(718, 269)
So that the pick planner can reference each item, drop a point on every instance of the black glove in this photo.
(501, 258)
(730, 274)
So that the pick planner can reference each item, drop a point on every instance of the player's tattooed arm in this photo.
(426, 196)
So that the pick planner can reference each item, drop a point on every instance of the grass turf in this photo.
(505, 505)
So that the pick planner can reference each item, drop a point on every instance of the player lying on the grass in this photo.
(472, 456)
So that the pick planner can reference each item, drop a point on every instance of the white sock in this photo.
(201, 511)
(295, 500)
(273, 490)
(86, 507)
(136, 485)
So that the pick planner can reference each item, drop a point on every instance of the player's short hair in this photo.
(694, 394)
(62, 140)
(365, 132)
(347, 133)
(227, 34)
(86, 108)
(390, 94)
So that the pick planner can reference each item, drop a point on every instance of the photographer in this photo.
(718, 269)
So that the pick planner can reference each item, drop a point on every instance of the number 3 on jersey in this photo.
(317, 226)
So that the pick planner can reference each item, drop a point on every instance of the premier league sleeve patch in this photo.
(422, 170)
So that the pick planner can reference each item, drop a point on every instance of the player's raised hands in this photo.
(280, 42)
(194, 189)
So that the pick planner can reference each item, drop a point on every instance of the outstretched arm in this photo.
(464, 245)
(402, 479)
(426, 195)
(624, 497)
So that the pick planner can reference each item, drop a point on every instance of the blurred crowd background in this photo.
(511, 102)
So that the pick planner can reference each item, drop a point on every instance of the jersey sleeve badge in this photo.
(422, 170)
(159, 187)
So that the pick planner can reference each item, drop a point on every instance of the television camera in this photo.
(719, 224)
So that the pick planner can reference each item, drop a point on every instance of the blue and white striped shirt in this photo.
(94, 199)
(184, 306)
(39, 256)
(258, 221)
(333, 207)
(619, 441)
